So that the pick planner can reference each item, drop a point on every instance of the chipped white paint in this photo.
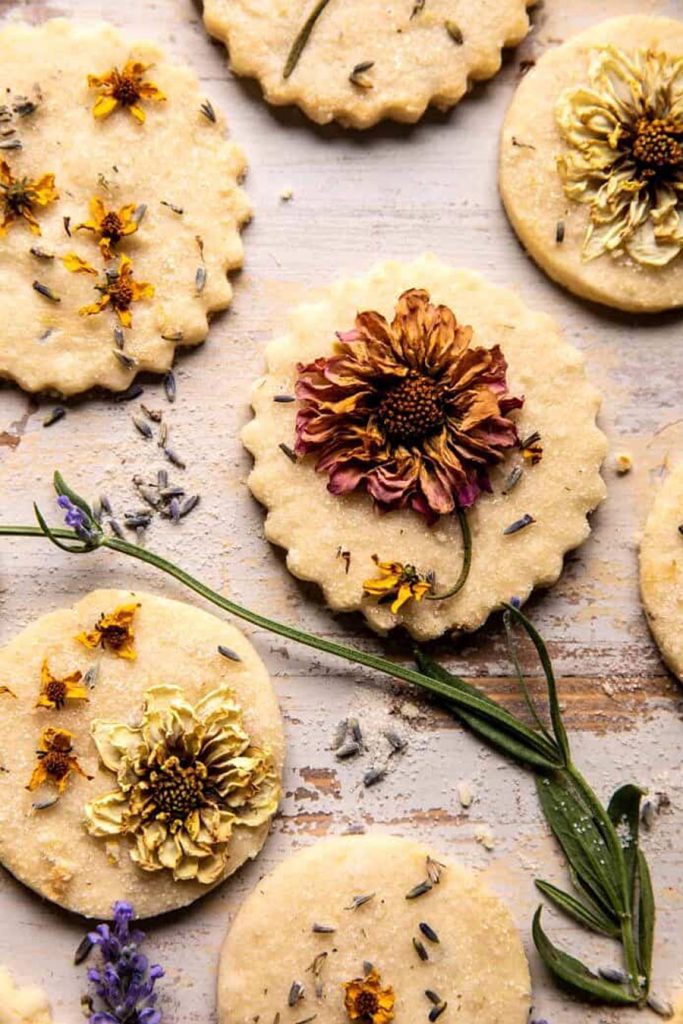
(394, 192)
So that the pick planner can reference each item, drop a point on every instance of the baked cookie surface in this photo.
(337, 931)
(661, 570)
(338, 521)
(119, 217)
(139, 762)
(365, 60)
(591, 163)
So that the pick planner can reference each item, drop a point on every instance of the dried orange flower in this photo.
(55, 692)
(20, 196)
(110, 226)
(56, 760)
(113, 632)
(397, 583)
(366, 1000)
(124, 88)
(119, 290)
(408, 410)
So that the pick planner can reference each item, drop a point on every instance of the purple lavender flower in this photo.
(124, 982)
(75, 518)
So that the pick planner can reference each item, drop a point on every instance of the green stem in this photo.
(466, 559)
(302, 38)
(460, 698)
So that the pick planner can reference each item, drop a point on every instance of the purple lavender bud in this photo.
(516, 602)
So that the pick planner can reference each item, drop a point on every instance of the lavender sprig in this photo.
(124, 983)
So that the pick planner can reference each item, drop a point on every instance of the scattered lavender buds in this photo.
(124, 983)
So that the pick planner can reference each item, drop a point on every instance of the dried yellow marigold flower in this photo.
(187, 777)
(624, 158)
(118, 290)
(113, 632)
(398, 583)
(56, 760)
(110, 226)
(124, 88)
(55, 692)
(366, 1000)
(19, 198)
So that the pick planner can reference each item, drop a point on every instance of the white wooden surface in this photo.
(391, 192)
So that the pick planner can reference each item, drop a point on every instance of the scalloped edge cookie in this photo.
(431, 65)
(178, 156)
(316, 528)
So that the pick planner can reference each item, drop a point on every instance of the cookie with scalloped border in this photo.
(178, 165)
(316, 527)
(366, 60)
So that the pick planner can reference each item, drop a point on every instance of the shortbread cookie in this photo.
(358, 61)
(591, 163)
(120, 209)
(28, 1005)
(372, 928)
(366, 445)
(141, 746)
(661, 570)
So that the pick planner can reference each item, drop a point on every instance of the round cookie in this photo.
(28, 1005)
(661, 570)
(151, 180)
(372, 894)
(115, 652)
(359, 61)
(333, 538)
(573, 144)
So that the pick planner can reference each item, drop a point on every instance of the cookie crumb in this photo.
(623, 463)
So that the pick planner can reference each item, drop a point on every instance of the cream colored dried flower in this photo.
(187, 776)
(624, 133)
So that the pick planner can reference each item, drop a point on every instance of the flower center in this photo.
(412, 410)
(56, 692)
(656, 146)
(111, 227)
(114, 636)
(177, 791)
(18, 196)
(367, 1004)
(125, 90)
(56, 765)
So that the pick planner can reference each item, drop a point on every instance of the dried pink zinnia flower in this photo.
(407, 411)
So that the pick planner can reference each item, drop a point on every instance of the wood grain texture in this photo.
(391, 192)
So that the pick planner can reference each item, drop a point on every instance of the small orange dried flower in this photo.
(366, 1000)
(19, 198)
(55, 692)
(55, 760)
(397, 581)
(109, 226)
(119, 289)
(113, 632)
(124, 88)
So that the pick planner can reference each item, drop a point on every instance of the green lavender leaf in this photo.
(575, 975)
(582, 844)
(624, 812)
(497, 725)
(553, 701)
(62, 488)
(646, 918)
(587, 914)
